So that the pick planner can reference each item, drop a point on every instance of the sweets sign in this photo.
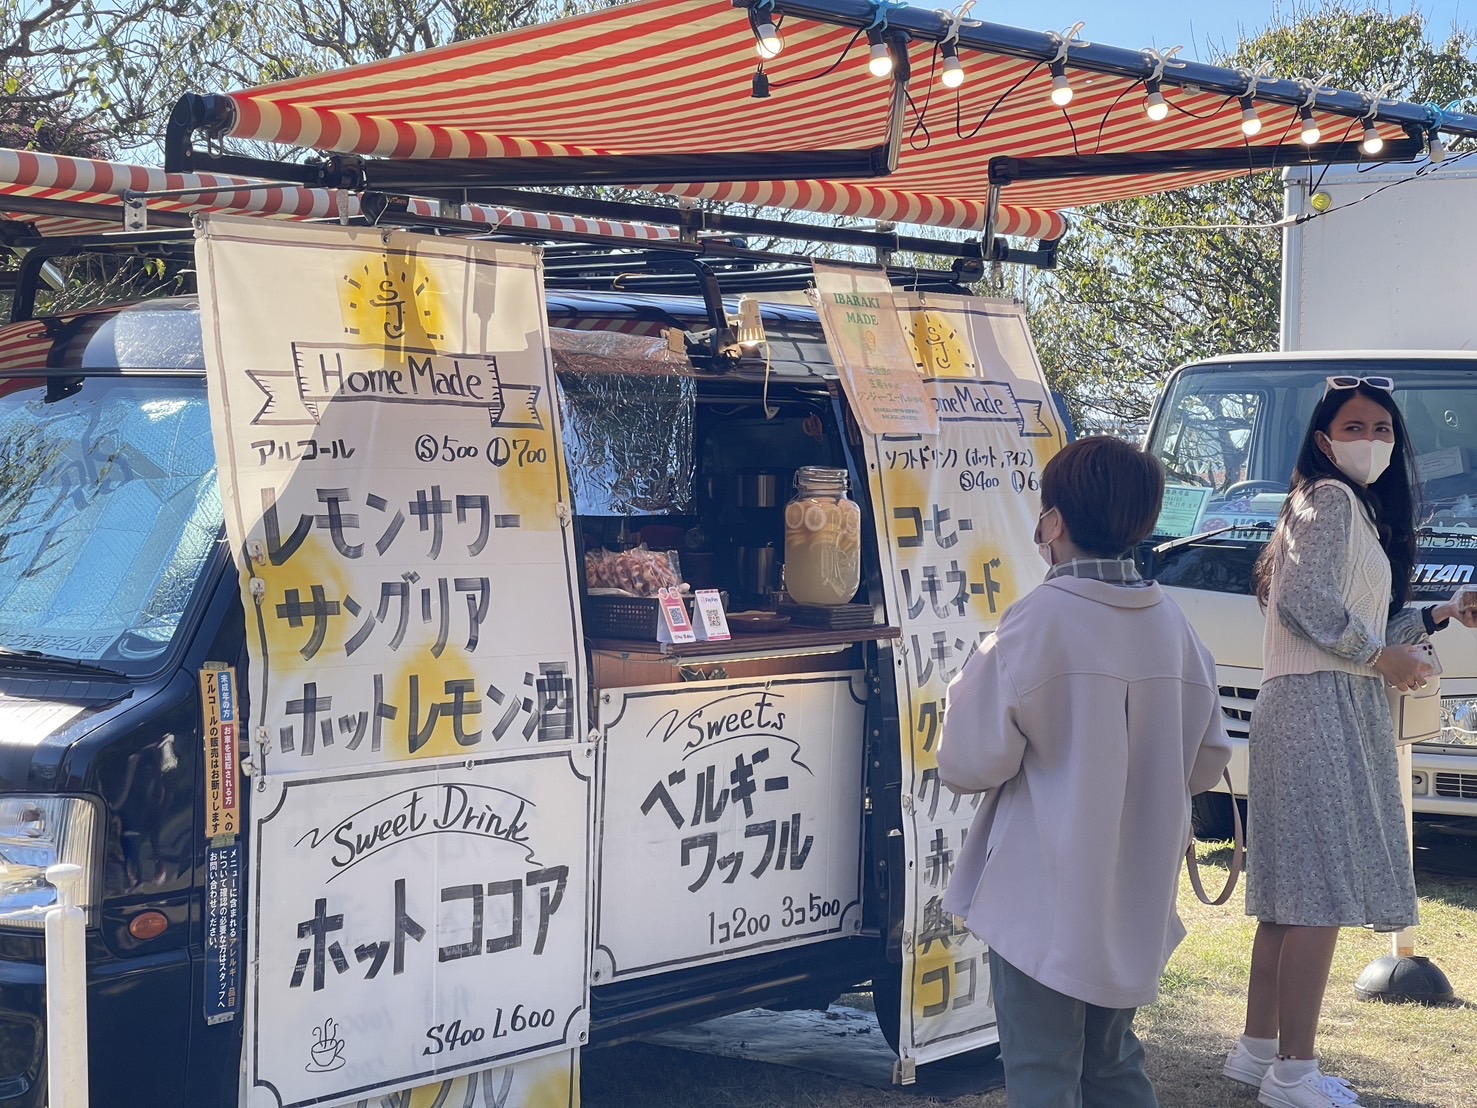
(735, 810)
(956, 513)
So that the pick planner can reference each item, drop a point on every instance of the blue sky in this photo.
(1195, 24)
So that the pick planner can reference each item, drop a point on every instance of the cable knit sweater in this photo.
(1361, 586)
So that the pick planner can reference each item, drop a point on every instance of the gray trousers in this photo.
(1059, 1052)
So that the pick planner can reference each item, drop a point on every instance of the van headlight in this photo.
(1459, 720)
(36, 832)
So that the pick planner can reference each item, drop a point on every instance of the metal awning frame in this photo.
(476, 180)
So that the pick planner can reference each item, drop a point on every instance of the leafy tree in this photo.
(67, 61)
(1136, 294)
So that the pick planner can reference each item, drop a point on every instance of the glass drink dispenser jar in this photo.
(823, 538)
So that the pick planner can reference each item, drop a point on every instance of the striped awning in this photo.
(677, 84)
(59, 196)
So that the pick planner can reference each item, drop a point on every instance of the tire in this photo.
(1210, 816)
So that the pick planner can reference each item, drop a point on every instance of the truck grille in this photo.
(1236, 706)
(1462, 786)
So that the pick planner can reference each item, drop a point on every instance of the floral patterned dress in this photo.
(1327, 837)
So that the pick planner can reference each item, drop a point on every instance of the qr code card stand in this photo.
(710, 625)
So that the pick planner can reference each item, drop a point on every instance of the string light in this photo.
(1155, 106)
(1372, 143)
(1251, 123)
(767, 41)
(879, 60)
(1310, 132)
(1061, 88)
(952, 75)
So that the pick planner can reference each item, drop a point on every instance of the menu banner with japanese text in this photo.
(394, 492)
(421, 814)
(732, 814)
(425, 921)
(956, 513)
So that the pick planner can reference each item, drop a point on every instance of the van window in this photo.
(109, 510)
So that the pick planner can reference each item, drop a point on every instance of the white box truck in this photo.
(1377, 281)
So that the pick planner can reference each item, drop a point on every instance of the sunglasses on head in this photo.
(1349, 381)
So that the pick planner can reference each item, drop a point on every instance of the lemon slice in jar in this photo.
(815, 517)
(794, 515)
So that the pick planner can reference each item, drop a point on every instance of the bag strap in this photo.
(1238, 853)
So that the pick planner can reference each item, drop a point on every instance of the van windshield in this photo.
(1228, 435)
(109, 510)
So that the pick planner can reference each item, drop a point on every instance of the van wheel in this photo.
(1210, 816)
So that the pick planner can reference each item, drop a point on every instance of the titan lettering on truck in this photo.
(336, 658)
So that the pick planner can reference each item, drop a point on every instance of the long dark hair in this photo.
(1393, 500)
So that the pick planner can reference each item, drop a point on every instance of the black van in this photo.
(116, 587)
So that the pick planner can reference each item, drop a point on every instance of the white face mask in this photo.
(1043, 548)
(1362, 460)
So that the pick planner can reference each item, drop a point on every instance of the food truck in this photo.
(439, 654)
(428, 693)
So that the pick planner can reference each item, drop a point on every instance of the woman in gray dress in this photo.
(1328, 834)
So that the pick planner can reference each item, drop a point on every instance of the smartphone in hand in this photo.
(1428, 653)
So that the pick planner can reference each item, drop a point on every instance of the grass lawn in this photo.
(1397, 1056)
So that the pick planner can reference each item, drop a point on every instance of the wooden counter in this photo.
(621, 663)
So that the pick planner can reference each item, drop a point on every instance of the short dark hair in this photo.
(1108, 491)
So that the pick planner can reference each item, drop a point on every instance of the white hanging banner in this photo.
(421, 921)
(393, 491)
(732, 820)
(422, 820)
(957, 511)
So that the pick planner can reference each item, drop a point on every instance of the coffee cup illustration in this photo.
(327, 1048)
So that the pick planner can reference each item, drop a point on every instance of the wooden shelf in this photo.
(744, 644)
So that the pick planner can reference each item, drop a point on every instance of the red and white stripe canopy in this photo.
(662, 77)
(80, 196)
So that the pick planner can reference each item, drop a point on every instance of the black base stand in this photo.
(1414, 979)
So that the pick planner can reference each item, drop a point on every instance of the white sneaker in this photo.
(1312, 1090)
(1244, 1066)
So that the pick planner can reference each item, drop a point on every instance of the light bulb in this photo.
(1251, 123)
(952, 74)
(750, 322)
(1155, 106)
(1310, 133)
(767, 41)
(1372, 143)
(1435, 148)
(1061, 88)
(879, 60)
